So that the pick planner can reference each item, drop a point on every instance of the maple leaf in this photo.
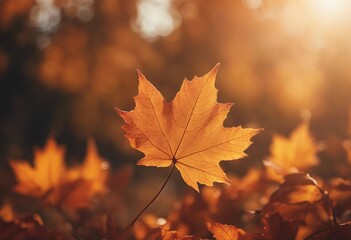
(94, 168)
(298, 152)
(56, 184)
(47, 173)
(188, 131)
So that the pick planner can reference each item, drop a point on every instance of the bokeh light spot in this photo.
(253, 4)
(161, 221)
(45, 15)
(156, 18)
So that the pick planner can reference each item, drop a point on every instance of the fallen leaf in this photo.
(188, 131)
(278, 228)
(226, 232)
(244, 195)
(340, 193)
(300, 199)
(72, 194)
(6, 212)
(47, 173)
(173, 235)
(297, 188)
(120, 178)
(94, 168)
(50, 179)
(28, 228)
(298, 152)
(188, 216)
(338, 232)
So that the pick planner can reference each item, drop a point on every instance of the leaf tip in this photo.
(118, 111)
(215, 69)
(140, 75)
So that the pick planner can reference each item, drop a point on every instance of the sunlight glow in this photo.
(253, 4)
(45, 15)
(156, 18)
(330, 9)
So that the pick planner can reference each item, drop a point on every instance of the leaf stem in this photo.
(333, 211)
(325, 194)
(152, 200)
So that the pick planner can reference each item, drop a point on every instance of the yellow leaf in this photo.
(298, 152)
(188, 131)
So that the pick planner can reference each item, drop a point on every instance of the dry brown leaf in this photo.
(278, 228)
(188, 131)
(338, 232)
(300, 199)
(297, 188)
(340, 192)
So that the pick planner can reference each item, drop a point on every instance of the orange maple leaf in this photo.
(48, 171)
(298, 152)
(188, 131)
(56, 184)
(93, 168)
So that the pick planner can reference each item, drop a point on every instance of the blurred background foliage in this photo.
(64, 65)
